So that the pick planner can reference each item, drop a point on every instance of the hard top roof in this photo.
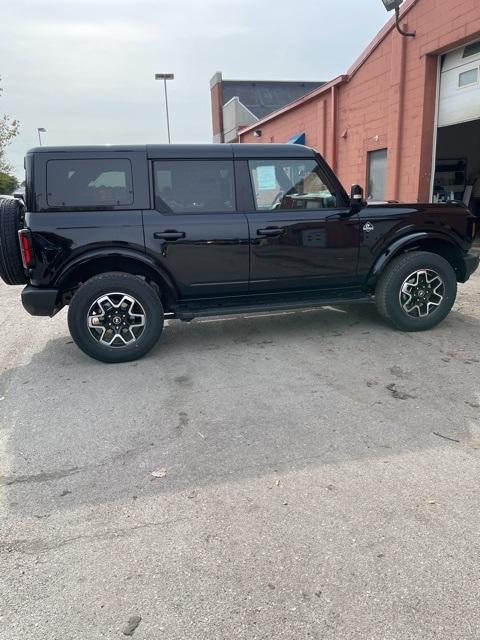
(186, 151)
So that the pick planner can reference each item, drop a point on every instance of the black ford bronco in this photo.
(126, 236)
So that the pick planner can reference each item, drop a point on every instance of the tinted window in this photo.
(289, 184)
(471, 49)
(201, 186)
(89, 183)
(377, 174)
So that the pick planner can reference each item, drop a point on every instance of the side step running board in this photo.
(189, 313)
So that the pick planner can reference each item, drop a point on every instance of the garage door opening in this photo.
(457, 159)
(457, 166)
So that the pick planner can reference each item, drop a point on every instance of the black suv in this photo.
(127, 236)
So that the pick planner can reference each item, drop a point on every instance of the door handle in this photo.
(271, 232)
(170, 234)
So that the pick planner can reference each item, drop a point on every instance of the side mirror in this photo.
(357, 200)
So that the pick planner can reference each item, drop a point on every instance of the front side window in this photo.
(92, 183)
(289, 184)
(194, 186)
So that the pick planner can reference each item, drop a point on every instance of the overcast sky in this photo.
(83, 69)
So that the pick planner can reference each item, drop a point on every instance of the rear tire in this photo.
(11, 220)
(115, 317)
(416, 291)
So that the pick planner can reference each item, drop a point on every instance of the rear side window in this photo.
(289, 184)
(89, 184)
(194, 186)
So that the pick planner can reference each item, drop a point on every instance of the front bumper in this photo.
(471, 264)
(40, 302)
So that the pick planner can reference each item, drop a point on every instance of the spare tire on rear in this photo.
(11, 220)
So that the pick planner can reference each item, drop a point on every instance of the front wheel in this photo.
(416, 291)
(115, 317)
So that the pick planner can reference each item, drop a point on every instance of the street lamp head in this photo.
(390, 5)
(394, 5)
(41, 130)
(164, 76)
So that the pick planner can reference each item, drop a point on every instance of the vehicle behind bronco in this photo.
(126, 236)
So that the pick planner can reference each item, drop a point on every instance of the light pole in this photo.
(165, 77)
(40, 130)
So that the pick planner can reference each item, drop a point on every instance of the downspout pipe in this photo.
(334, 125)
(400, 120)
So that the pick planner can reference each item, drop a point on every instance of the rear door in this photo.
(194, 231)
(303, 235)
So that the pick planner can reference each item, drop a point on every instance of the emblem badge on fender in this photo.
(368, 226)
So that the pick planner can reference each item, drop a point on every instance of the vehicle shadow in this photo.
(223, 400)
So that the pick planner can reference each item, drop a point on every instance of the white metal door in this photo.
(459, 99)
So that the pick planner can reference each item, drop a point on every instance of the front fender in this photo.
(400, 245)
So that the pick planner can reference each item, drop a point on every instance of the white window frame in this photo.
(469, 84)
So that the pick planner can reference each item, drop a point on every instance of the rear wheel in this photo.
(417, 291)
(11, 220)
(115, 317)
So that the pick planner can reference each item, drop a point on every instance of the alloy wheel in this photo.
(421, 293)
(116, 320)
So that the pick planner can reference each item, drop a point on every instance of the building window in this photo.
(377, 174)
(468, 78)
(89, 184)
(194, 186)
(471, 49)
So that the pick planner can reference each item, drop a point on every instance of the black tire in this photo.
(388, 298)
(120, 284)
(11, 220)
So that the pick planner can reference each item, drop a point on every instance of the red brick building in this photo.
(405, 118)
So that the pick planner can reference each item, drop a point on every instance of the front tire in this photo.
(416, 291)
(115, 317)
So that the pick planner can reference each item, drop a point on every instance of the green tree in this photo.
(8, 183)
(8, 130)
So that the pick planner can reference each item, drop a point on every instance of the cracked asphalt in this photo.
(320, 480)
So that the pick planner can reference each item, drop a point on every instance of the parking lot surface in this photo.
(286, 476)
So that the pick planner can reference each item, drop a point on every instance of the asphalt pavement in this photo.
(309, 475)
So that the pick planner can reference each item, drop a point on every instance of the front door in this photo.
(194, 231)
(303, 235)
